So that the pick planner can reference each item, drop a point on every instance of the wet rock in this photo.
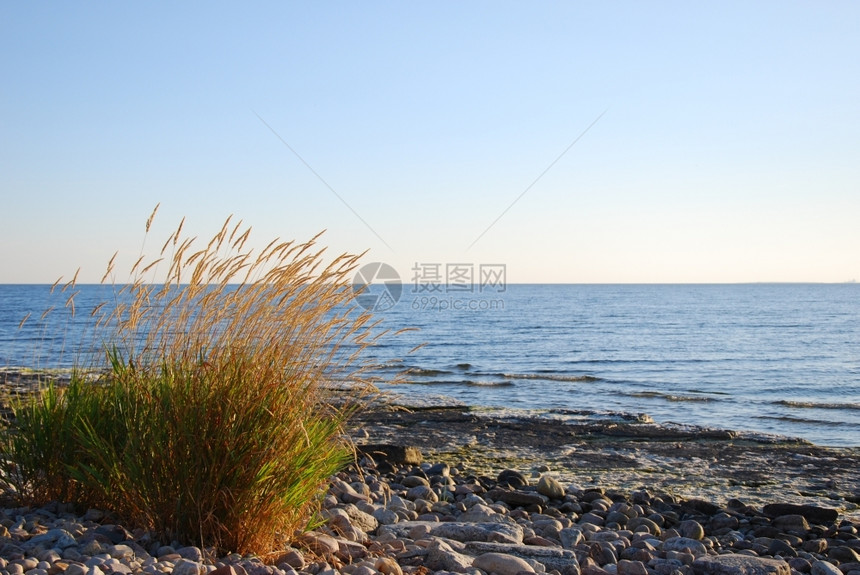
(518, 498)
(512, 478)
(392, 453)
(813, 513)
(794, 523)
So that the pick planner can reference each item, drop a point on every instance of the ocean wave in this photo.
(817, 405)
(551, 377)
(670, 396)
(486, 383)
(425, 372)
(804, 420)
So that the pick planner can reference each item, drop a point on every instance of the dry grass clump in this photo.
(212, 422)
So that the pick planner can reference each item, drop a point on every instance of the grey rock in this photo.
(440, 556)
(518, 498)
(483, 514)
(557, 559)
(636, 522)
(691, 529)
(349, 551)
(592, 518)
(442, 469)
(697, 548)
(491, 532)
(570, 537)
(824, 568)
(550, 487)
(414, 481)
(191, 552)
(345, 492)
(626, 567)
(385, 516)
(122, 552)
(513, 478)
(319, 543)
(843, 554)
(422, 492)
(293, 558)
(780, 547)
(739, 565)
(75, 569)
(364, 521)
(459, 531)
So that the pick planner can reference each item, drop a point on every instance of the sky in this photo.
(574, 142)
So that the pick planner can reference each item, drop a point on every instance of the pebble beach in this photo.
(452, 490)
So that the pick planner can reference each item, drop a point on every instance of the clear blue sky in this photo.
(729, 149)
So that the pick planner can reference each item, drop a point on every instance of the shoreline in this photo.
(624, 453)
(441, 489)
(613, 451)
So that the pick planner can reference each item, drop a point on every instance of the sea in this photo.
(763, 359)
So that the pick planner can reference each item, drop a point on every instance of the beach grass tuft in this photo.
(221, 392)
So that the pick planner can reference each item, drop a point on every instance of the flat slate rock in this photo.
(392, 453)
(813, 513)
(462, 532)
(739, 565)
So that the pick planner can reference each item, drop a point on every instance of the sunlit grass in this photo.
(212, 420)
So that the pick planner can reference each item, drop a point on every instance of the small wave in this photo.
(551, 377)
(485, 383)
(804, 420)
(430, 382)
(670, 396)
(426, 372)
(817, 405)
(463, 366)
(708, 392)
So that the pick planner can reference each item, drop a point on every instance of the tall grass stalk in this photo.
(213, 419)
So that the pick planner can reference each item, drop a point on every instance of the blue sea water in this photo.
(768, 358)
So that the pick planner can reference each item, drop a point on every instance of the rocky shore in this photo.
(455, 490)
